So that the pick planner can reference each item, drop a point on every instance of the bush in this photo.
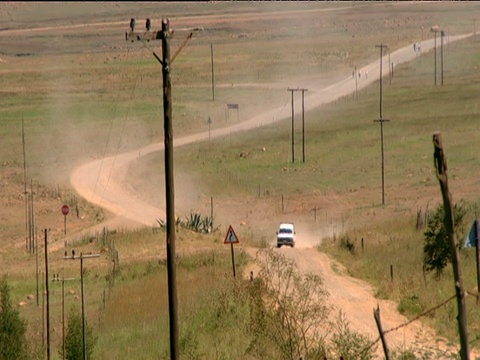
(12, 327)
(74, 337)
(347, 244)
(437, 246)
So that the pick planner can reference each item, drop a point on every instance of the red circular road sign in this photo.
(65, 210)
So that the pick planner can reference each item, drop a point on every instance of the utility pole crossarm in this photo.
(145, 36)
(84, 256)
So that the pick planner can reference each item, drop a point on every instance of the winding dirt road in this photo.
(102, 182)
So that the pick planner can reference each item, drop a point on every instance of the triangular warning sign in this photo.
(231, 237)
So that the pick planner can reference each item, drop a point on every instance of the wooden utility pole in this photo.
(32, 224)
(435, 29)
(442, 35)
(36, 270)
(213, 74)
(435, 58)
(47, 294)
(84, 325)
(169, 190)
(389, 67)
(293, 125)
(381, 120)
(27, 236)
(84, 322)
(166, 62)
(43, 310)
(303, 123)
(293, 122)
(441, 170)
(25, 175)
(356, 83)
(211, 214)
(57, 278)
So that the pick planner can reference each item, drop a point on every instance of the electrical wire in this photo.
(132, 95)
(109, 131)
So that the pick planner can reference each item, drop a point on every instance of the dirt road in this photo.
(354, 298)
(102, 182)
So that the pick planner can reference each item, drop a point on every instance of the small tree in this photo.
(12, 327)
(436, 248)
(74, 337)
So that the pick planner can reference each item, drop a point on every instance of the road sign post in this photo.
(209, 121)
(231, 238)
(65, 211)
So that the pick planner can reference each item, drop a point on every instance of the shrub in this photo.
(437, 246)
(196, 223)
(74, 337)
(12, 327)
(347, 244)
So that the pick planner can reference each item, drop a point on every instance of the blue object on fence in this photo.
(470, 240)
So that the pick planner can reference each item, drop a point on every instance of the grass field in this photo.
(84, 93)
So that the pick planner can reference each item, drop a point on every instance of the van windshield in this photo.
(285, 231)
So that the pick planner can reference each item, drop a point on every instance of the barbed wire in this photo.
(366, 349)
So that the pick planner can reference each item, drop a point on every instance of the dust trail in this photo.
(124, 201)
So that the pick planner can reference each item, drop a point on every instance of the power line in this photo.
(109, 133)
(121, 136)
(111, 126)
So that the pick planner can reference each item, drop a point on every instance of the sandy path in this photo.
(102, 182)
(355, 299)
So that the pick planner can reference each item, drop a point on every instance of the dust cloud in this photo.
(309, 236)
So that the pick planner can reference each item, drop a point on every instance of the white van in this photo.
(286, 235)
